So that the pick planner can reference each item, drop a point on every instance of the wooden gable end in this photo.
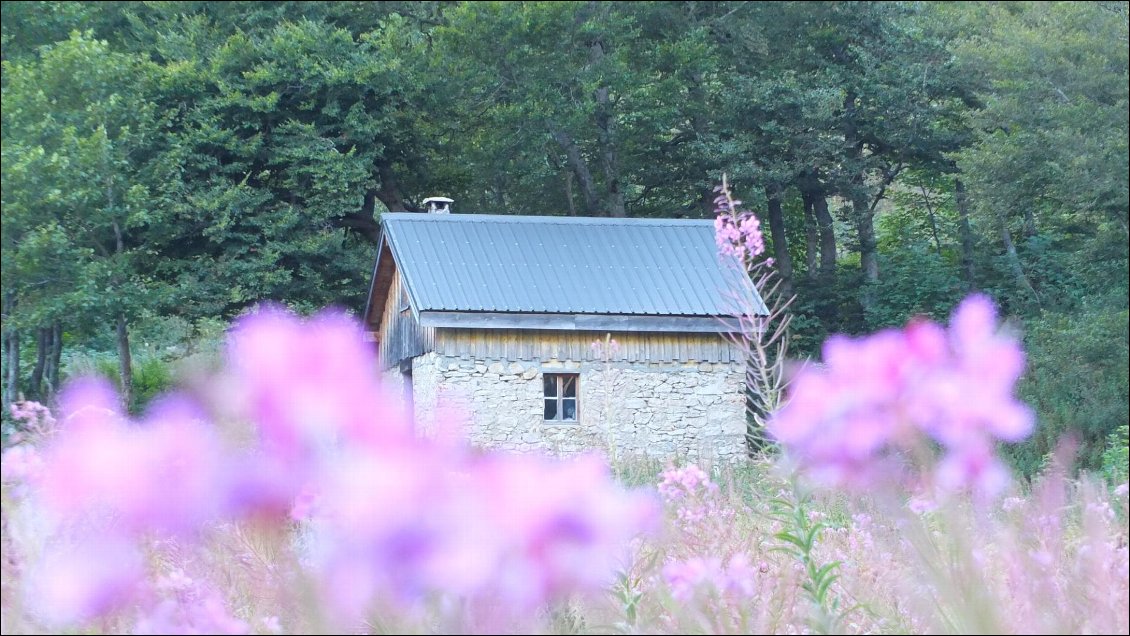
(390, 319)
(383, 273)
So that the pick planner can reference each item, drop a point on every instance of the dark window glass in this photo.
(560, 391)
(569, 409)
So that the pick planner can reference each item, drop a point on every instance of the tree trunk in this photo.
(606, 136)
(389, 192)
(1014, 261)
(868, 248)
(12, 353)
(811, 246)
(498, 189)
(827, 230)
(35, 388)
(933, 221)
(1029, 222)
(577, 164)
(125, 363)
(363, 222)
(569, 193)
(608, 159)
(54, 356)
(780, 242)
(965, 234)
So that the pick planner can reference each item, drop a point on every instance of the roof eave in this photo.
(585, 322)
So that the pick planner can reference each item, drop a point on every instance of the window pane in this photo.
(550, 383)
(569, 409)
(569, 386)
(551, 408)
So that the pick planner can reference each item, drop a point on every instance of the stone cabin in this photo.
(510, 320)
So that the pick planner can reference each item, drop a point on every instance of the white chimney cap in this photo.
(438, 205)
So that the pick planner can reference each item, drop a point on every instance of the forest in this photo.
(168, 165)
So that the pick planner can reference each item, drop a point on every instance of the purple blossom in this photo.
(394, 517)
(737, 578)
(848, 419)
(736, 231)
(80, 579)
(309, 385)
(166, 474)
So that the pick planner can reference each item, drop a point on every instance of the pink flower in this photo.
(566, 523)
(737, 232)
(312, 385)
(875, 396)
(683, 483)
(520, 530)
(91, 577)
(166, 474)
(693, 496)
(21, 464)
(391, 517)
(973, 466)
(687, 578)
(34, 417)
(198, 612)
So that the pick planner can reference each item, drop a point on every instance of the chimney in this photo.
(438, 205)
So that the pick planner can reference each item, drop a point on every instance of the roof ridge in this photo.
(466, 217)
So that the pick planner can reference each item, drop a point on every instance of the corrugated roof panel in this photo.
(529, 264)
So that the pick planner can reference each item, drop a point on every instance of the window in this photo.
(560, 397)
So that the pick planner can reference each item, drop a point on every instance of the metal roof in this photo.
(565, 265)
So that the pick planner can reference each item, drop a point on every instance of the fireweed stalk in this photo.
(764, 337)
(761, 333)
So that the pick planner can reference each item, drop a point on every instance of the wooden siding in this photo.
(400, 336)
(642, 348)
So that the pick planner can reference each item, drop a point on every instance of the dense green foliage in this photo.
(185, 160)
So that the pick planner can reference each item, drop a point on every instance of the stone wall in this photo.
(667, 410)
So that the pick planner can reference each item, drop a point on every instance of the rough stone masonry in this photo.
(694, 411)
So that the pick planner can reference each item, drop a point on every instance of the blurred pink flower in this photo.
(566, 524)
(21, 464)
(79, 580)
(875, 395)
(34, 417)
(197, 612)
(311, 385)
(520, 530)
(165, 474)
(605, 348)
(391, 517)
(738, 578)
(973, 466)
(693, 497)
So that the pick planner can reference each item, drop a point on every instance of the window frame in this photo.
(559, 398)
